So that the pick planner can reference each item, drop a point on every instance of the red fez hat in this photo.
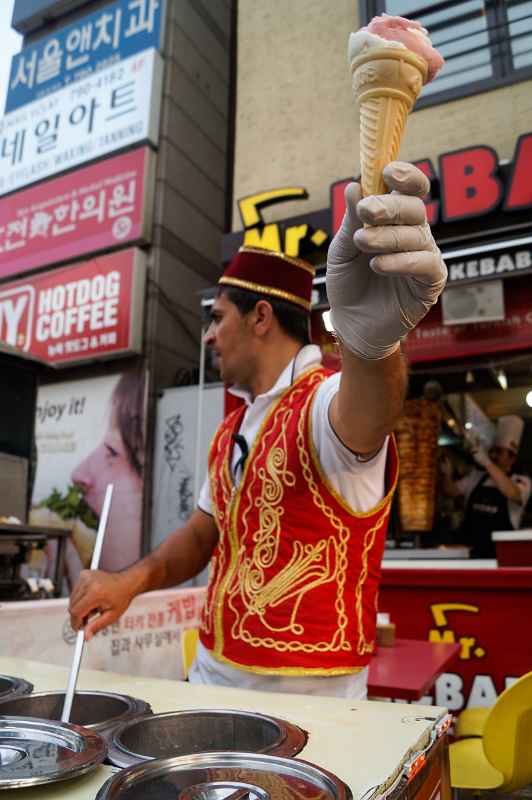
(271, 273)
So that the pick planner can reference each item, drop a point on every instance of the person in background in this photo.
(495, 497)
(294, 511)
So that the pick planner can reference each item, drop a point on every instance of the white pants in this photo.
(206, 669)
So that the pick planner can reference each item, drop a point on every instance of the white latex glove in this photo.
(382, 279)
(477, 450)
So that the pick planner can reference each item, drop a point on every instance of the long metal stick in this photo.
(80, 638)
(199, 418)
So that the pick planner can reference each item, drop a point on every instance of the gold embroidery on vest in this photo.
(311, 565)
(363, 646)
(221, 477)
(275, 476)
(339, 641)
(383, 509)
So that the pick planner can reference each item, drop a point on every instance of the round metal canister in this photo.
(180, 733)
(100, 712)
(13, 687)
(225, 776)
(36, 751)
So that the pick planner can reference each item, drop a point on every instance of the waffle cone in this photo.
(386, 84)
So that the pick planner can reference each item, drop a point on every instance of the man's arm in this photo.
(180, 557)
(504, 483)
(369, 400)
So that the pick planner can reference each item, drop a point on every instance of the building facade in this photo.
(161, 64)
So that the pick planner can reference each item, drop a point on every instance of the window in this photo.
(485, 43)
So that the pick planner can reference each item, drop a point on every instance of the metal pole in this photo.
(199, 419)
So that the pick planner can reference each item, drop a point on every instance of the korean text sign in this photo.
(93, 208)
(114, 108)
(93, 42)
(85, 311)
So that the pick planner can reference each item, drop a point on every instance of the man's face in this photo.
(503, 458)
(229, 336)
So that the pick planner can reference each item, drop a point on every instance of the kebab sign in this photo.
(86, 311)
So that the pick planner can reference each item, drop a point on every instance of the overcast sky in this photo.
(11, 43)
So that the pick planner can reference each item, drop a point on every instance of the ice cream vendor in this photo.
(295, 509)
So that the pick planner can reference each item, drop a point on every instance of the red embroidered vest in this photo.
(295, 574)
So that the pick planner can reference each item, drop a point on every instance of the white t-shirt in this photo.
(339, 464)
(360, 483)
(516, 509)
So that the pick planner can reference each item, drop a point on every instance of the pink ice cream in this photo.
(391, 31)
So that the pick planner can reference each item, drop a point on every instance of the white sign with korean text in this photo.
(114, 108)
(145, 641)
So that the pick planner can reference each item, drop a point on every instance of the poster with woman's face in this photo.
(89, 434)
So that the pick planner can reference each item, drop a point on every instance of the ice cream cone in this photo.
(386, 83)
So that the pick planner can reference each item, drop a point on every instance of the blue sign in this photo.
(94, 42)
(28, 15)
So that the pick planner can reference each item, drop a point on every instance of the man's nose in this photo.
(208, 336)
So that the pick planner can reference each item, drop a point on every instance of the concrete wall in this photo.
(297, 123)
(190, 208)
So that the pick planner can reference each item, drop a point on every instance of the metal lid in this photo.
(180, 733)
(99, 711)
(12, 687)
(34, 751)
(225, 776)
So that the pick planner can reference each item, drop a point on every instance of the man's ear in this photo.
(263, 317)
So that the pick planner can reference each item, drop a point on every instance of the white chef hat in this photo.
(509, 431)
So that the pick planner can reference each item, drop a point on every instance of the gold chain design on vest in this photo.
(363, 646)
(344, 533)
(220, 554)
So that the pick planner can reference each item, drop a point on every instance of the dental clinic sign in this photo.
(104, 205)
(83, 312)
(114, 108)
(94, 42)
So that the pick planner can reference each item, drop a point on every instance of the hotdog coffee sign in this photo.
(83, 312)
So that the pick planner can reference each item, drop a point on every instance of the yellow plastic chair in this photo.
(471, 722)
(189, 643)
(501, 757)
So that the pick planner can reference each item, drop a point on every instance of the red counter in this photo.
(487, 611)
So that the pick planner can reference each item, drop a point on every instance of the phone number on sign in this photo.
(83, 345)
